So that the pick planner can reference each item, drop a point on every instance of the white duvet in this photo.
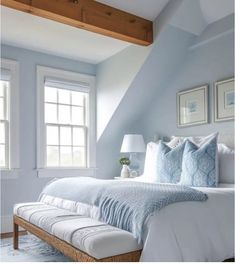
(193, 231)
(185, 231)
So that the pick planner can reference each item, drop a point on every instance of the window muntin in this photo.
(66, 126)
(4, 124)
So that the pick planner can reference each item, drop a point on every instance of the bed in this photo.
(181, 231)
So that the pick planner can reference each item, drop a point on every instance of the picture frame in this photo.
(192, 106)
(224, 100)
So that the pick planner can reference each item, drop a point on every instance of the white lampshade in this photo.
(133, 143)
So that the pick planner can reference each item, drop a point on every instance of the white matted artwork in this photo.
(224, 95)
(192, 106)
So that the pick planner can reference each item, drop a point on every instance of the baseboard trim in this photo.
(10, 234)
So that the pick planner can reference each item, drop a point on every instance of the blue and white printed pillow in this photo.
(169, 163)
(199, 164)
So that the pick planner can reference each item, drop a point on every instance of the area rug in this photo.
(31, 249)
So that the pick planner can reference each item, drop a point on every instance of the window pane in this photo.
(78, 136)
(78, 157)
(52, 135)
(2, 109)
(52, 156)
(77, 115)
(64, 96)
(51, 113)
(65, 156)
(65, 136)
(64, 114)
(51, 95)
(77, 98)
(2, 133)
(2, 156)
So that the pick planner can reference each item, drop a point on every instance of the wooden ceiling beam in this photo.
(90, 15)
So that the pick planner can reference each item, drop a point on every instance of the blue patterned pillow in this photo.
(199, 164)
(169, 163)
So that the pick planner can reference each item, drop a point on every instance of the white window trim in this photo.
(42, 74)
(12, 172)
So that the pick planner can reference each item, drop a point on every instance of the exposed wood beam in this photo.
(90, 15)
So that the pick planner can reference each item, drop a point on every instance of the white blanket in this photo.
(191, 231)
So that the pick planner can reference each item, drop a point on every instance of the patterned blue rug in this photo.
(31, 249)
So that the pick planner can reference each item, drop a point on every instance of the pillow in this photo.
(199, 164)
(169, 163)
(199, 141)
(226, 164)
(150, 165)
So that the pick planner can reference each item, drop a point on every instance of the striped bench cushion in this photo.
(91, 236)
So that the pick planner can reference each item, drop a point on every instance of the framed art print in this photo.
(224, 105)
(192, 106)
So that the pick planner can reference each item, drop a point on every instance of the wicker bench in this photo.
(78, 237)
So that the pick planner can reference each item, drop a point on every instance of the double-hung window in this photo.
(9, 117)
(66, 129)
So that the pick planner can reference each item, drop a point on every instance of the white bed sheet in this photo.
(193, 231)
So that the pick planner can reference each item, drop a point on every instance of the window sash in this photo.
(58, 124)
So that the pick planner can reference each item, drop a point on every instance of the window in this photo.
(66, 127)
(66, 123)
(4, 124)
(9, 117)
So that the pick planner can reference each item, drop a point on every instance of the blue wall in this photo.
(210, 60)
(27, 186)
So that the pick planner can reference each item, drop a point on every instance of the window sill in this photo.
(65, 172)
(6, 174)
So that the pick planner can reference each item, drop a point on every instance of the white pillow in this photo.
(150, 165)
(226, 164)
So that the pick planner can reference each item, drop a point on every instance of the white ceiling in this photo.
(148, 9)
(35, 33)
(31, 32)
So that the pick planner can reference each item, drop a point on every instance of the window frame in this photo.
(69, 76)
(13, 134)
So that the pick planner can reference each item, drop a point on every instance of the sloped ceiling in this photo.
(214, 10)
(195, 15)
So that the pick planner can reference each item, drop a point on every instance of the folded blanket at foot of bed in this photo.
(125, 205)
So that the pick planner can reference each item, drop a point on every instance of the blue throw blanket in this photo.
(123, 204)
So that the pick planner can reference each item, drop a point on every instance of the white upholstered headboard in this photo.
(227, 139)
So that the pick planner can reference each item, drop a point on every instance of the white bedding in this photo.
(193, 231)
(185, 231)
